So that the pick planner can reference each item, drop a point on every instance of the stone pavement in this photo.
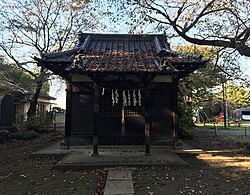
(119, 182)
(118, 156)
(122, 155)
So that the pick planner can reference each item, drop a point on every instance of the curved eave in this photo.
(57, 67)
(196, 62)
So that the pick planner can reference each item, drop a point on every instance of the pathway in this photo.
(119, 182)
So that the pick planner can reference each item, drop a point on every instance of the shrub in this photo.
(40, 122)
(23, 135)
(185, 128)
(185, 123)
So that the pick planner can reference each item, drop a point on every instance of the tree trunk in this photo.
(33, 102)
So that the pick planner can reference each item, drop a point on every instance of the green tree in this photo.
(35, 27)
(238, 95)
(11, 73)
(213, 107)
(196, 87)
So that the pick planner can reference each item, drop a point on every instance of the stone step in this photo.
(121, 140)
(119, 182)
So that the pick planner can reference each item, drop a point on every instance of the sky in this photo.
(111, 27)
(58, 88)
(122, 28)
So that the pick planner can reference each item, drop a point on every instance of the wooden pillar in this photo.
(96, 113)
(123, 132)
(174, 112)
(147, 123)
(68, 115)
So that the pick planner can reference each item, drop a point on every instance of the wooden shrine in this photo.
(121, 88)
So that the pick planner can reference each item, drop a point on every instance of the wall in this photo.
(81, 116)
(162, 105)
(7, 111)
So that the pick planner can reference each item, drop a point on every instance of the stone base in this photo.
(64, 145)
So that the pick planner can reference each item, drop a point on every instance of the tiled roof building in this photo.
(123, 53)
(121, 88)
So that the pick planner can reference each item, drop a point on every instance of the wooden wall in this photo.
(81, 116)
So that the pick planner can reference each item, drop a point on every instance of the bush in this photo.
(23, 135)
(185, 128)
(185, 123)
(40, 122)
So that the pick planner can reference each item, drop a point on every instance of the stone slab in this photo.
(119, 175)
(51, 151)
(117, 156)
(110, 157)
(119, 182)
(119, 187)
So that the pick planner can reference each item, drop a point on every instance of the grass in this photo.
(233, 125)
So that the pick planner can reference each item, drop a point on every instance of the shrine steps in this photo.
(157, 140)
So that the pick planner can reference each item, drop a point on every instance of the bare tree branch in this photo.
(201, 17)
(37, 27)
(20, 65)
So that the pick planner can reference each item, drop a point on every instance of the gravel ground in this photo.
(21, 174)
(227, 171)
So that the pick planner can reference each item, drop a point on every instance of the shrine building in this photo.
(121, 89)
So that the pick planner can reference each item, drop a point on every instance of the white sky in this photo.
(58, 88)
(121, 28)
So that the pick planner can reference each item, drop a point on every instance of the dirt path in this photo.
(20, 174)
(226, 172)
(211, 176)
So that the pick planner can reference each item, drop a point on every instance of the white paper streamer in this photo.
(139, 97)
(116, 96)
(103, 89)
(113, 98)
(129, 99)
(124, 98)
(134, 98)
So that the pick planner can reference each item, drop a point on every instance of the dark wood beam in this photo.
(68, 114)
(96, 115)
(174, 112)
(147, 123)
(123, 131)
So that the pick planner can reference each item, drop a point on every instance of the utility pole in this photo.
(225, 104)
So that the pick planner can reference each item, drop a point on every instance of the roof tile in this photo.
(123, 53)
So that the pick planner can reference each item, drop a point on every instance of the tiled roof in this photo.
(11, 89)
(121, 53)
